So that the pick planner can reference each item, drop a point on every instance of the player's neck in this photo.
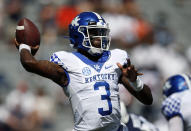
(93, 58)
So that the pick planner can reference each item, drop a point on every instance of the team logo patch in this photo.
(97, 67)
(86, 71)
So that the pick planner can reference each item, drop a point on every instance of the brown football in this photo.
(28, 33)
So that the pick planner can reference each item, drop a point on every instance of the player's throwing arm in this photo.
(27, 42)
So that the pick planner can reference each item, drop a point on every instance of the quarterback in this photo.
(90, 76)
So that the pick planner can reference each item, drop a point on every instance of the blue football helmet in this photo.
(176, 83)
(87, 26)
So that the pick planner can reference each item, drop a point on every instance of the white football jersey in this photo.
(179, 104)
(93, 88)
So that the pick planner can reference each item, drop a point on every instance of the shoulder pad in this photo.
(171, 107)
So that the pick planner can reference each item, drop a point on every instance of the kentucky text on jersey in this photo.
(100, 77)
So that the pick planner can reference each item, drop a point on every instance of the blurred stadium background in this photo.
(156, 34)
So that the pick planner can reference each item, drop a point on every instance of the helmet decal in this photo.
(75, 21)
(167, 85)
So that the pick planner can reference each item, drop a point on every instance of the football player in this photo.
(90, 76)
(175, 107)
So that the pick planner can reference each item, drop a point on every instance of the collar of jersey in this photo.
(96, 65)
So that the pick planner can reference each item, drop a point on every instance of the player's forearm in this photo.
(43, 68)
(144, 95)
(27, 60)
(32, 65)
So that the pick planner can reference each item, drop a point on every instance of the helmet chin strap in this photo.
(95, 51)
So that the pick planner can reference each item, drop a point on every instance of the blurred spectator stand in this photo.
(64, 16)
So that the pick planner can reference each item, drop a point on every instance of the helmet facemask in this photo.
(94, 35)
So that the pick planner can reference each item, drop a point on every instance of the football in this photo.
(28, 33)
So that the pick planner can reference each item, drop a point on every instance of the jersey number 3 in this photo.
(104, 97)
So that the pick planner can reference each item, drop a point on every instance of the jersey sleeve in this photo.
(171, 107)
(59, 58)
(56, 58)
(121, 56)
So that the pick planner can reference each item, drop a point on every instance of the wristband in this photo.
(24, 46)
(137, 85)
